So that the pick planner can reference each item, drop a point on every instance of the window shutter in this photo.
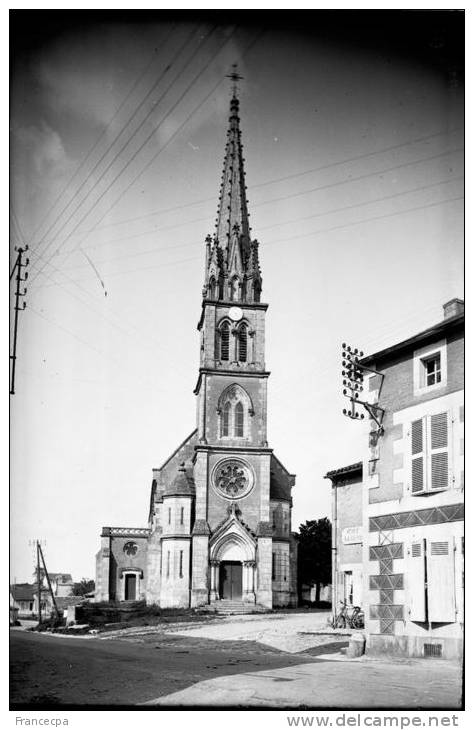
(416, 582)
(440, 570)
(417, 462)
(439, 451)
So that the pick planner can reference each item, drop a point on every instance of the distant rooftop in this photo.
(22, 591)
(344, 470)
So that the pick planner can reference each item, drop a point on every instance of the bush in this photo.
(50, 624)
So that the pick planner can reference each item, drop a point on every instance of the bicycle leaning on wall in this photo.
(349, 617)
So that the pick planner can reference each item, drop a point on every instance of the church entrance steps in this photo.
(230, 608)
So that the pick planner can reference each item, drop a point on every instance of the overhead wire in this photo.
(92, 149)
(338, 163)
(143, 144)
(303, 192)
(117, 155)
(159, 249)
(177, 131)
(289, 238)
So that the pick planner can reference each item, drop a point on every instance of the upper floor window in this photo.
(429, 454)
(432, 369)
(429, 368)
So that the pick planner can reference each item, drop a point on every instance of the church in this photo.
(219, 522)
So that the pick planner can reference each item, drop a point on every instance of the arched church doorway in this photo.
(232, 563)
(230, 580)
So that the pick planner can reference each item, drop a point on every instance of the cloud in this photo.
(44, 148)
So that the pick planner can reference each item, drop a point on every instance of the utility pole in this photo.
(48, 581)
(18, 266)
(38, 579)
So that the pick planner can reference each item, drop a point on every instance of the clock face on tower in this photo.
(236, 314)
(232, 478)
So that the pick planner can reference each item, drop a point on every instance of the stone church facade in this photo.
(219, 524)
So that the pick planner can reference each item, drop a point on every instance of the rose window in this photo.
(130, 548)
(233, 478)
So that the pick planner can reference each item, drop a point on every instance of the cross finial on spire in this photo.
(234, 76)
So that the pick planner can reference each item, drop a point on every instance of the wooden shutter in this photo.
(417, 456)
(416, 582)
(440, 570)
(439, 451)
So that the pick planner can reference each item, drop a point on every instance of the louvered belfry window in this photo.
(242, 340)
(225, 336)
(239, 420)
(429, 452)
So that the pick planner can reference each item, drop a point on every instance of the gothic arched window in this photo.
(224, 341)
(242, 343)
(239, 420)
(226, 419)
(234, 409)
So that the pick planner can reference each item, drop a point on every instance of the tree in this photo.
(85, 586)
(314, 553)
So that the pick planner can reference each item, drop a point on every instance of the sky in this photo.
(352, 127)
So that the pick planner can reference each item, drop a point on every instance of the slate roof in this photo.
(181, 485)
(23, 591)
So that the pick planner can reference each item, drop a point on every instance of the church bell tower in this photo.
(219, 521)
(232, 467)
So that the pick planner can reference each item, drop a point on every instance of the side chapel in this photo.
(219, 524)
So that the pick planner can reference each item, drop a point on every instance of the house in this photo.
(22, 599)
(219, 525)
(413, 498)
(346, 519)
(62, 586)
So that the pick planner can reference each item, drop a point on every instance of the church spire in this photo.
(232, 267)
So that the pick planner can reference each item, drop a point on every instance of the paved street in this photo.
(363, 684)
(268, 661)
(55, 670)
